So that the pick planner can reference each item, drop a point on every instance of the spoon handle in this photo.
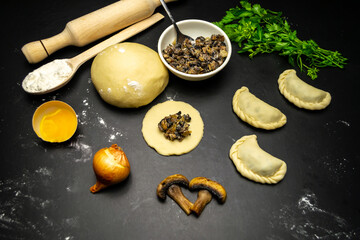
(167, 11)
(78, 60)
(180, 37)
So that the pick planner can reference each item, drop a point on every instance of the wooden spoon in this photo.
(78, 60)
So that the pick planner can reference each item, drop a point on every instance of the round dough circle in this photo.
(156, 139)
(129, 75)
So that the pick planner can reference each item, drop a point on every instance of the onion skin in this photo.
(111, 166)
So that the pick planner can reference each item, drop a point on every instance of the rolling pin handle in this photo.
(39, 50)
(34, 51)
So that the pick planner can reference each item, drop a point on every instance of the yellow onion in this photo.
(110, 166)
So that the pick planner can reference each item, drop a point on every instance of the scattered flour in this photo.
(337, 168)
(113, 136)
(25, 215)
(171, 97)
(307, 220)
(102, 122)
(44, 171)
(335, 128)
(91, 119)
(82, 152)
(343, 122)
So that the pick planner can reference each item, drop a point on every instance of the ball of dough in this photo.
(129, 75)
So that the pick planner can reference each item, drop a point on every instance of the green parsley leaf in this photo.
(257, 30)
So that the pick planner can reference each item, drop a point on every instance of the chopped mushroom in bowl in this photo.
(199, 59)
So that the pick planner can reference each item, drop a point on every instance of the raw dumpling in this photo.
(302, 94)
(254, 163)
(256, 112)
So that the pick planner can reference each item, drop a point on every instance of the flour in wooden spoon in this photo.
(47, 77)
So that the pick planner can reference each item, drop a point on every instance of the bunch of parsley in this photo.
(258, 30)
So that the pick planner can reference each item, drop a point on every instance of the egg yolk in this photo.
(58, 126)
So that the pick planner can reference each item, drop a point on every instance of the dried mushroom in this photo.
(206, 188)
(195, 57)
(175, 126)
(171, 186)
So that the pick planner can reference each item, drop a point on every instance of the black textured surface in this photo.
(44, 188)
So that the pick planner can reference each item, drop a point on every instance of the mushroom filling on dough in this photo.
(154, 136)
(175, 126)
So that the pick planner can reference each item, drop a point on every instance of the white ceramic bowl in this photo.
(193, 28)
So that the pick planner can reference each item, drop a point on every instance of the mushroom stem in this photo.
(204, 197)
(177, 195)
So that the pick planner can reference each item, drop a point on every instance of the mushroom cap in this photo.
(164, 185)
(213, 187)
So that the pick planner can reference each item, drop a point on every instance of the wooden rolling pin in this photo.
(92, 26)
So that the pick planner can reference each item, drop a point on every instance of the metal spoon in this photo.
(180, 37)
(78, 60)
